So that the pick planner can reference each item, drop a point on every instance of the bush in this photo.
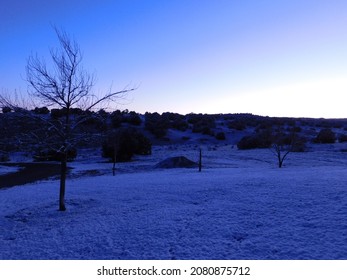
(202, 123)
(342, 138)
(41, 110)
(299, 146)
(133, 118)
(46, 154)
(116, 119)
(220, 136)
(121, 145)
(157, 124)
(4, 156)
(6, 110)
(237, 124)
(259, 140)
(325, 136)
(58, 113)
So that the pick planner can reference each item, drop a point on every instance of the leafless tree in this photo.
(283, 144)
(281, 152)
(65, 85)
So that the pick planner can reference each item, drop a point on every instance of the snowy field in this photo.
(8, 169)
(241, 206)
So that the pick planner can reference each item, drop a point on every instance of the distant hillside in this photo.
(244, 130)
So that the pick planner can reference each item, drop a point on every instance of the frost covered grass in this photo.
(240, 207)
(8, 169)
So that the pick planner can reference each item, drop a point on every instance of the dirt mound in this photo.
(176, 162)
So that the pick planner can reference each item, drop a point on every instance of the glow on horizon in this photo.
(276, 58)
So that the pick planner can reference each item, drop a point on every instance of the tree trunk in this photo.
(279, 159)
(200, 160)
(114, 168)
(114, 159)
(63, 170)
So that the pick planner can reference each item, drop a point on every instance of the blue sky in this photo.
(267, 57)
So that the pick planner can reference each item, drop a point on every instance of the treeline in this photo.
(122, 134)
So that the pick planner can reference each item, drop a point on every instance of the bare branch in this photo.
(64, 85)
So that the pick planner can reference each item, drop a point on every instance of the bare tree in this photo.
(283, 144)
(65, 85)
(281, 152)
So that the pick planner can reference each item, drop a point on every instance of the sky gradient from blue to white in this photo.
(267, 57)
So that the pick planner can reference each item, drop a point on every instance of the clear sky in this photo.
(267, 57)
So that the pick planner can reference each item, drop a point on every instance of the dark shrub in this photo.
(202, 123)
(299, 145)
(157, 124)
(121, 145)
(259, 140)
(295, 129)
(94, 121)
(46, 154)
(342, 138)
(6, 109)
(58, 113)
(193, 118)
(201, 128)
(116, 119)
(180, 124)
(41, 111)
(4, 156)
(175, 121)
(325, 136)
(220, 136)
(133, 118)
(77, 111)
(103, 114)
(237, 124)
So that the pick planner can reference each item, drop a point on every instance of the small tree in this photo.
(65, 86)
(281, 152)
(283, 144)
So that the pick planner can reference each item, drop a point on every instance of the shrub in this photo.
(58, 113)
(220, 136)
(342, 138)
(41, 111)
(94, 122)
(202, 123)
(259, 140)
(157, 124)
(325, 136)
(76, 111)
(4, 156)
(294, 129)
(299, 146)
(133, 118)
(116, 119)
(103, 114)
(237, 124)
(47, 154)
(121, 145)
(6, 110)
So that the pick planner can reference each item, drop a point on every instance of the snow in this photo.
(241, 206)
(8, 169)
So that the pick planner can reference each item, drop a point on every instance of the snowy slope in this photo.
(8, 169)
(240, 207)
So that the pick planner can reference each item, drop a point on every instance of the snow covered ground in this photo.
(8, 169)
(241, 206)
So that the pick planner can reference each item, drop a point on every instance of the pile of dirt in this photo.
(176, 162)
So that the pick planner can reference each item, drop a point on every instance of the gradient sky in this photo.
(267, 57)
